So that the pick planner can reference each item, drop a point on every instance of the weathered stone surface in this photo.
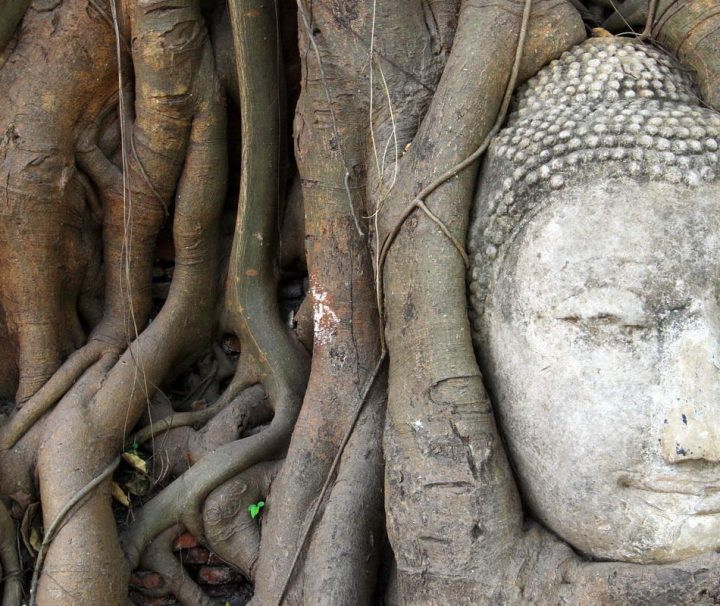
(595, 252)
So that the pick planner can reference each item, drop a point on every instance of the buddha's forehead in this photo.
(642, 237)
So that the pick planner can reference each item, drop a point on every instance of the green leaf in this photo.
(254, 508)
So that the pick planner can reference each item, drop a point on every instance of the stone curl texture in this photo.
(610, 104)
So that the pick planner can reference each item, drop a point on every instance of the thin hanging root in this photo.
(50, 393)
(159, 557)
(650, 22)
(419, 201)
(11, 570)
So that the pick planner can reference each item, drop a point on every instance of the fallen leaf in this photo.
(135, 461)
(35, 539)
(31, 522)
(119, 495)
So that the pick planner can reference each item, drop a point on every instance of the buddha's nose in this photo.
(691, 429)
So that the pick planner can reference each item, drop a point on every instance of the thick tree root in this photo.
(53, 390)
(294, 565)
(159, 557)
(44, 236)
(79, 438)
(9, 560)
(440, 430)
(59, 520)
(230, 531)
(17, 464)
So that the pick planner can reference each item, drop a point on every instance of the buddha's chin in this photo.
(695, 535)
(680, 530)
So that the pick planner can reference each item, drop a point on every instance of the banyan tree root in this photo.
(446, 484)
(160, 558)
(251, 312)
(47, 228)
(134, 206)
(345, 176)
(81, 436)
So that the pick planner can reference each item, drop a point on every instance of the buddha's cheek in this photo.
(576, 412)
(587, 413)
(575, 409)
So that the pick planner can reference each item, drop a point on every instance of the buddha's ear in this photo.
(690, 29)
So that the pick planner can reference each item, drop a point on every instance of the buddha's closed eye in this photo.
(605, 306)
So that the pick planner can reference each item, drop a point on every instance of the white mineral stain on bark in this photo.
(325, 319)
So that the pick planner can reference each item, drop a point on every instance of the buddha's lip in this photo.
(671, 484)
(697, 497)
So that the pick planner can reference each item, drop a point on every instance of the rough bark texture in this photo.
(452, 506)
(43, 205)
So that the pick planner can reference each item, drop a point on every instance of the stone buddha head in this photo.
(595, 301)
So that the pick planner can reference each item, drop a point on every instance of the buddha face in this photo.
(601, 348)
